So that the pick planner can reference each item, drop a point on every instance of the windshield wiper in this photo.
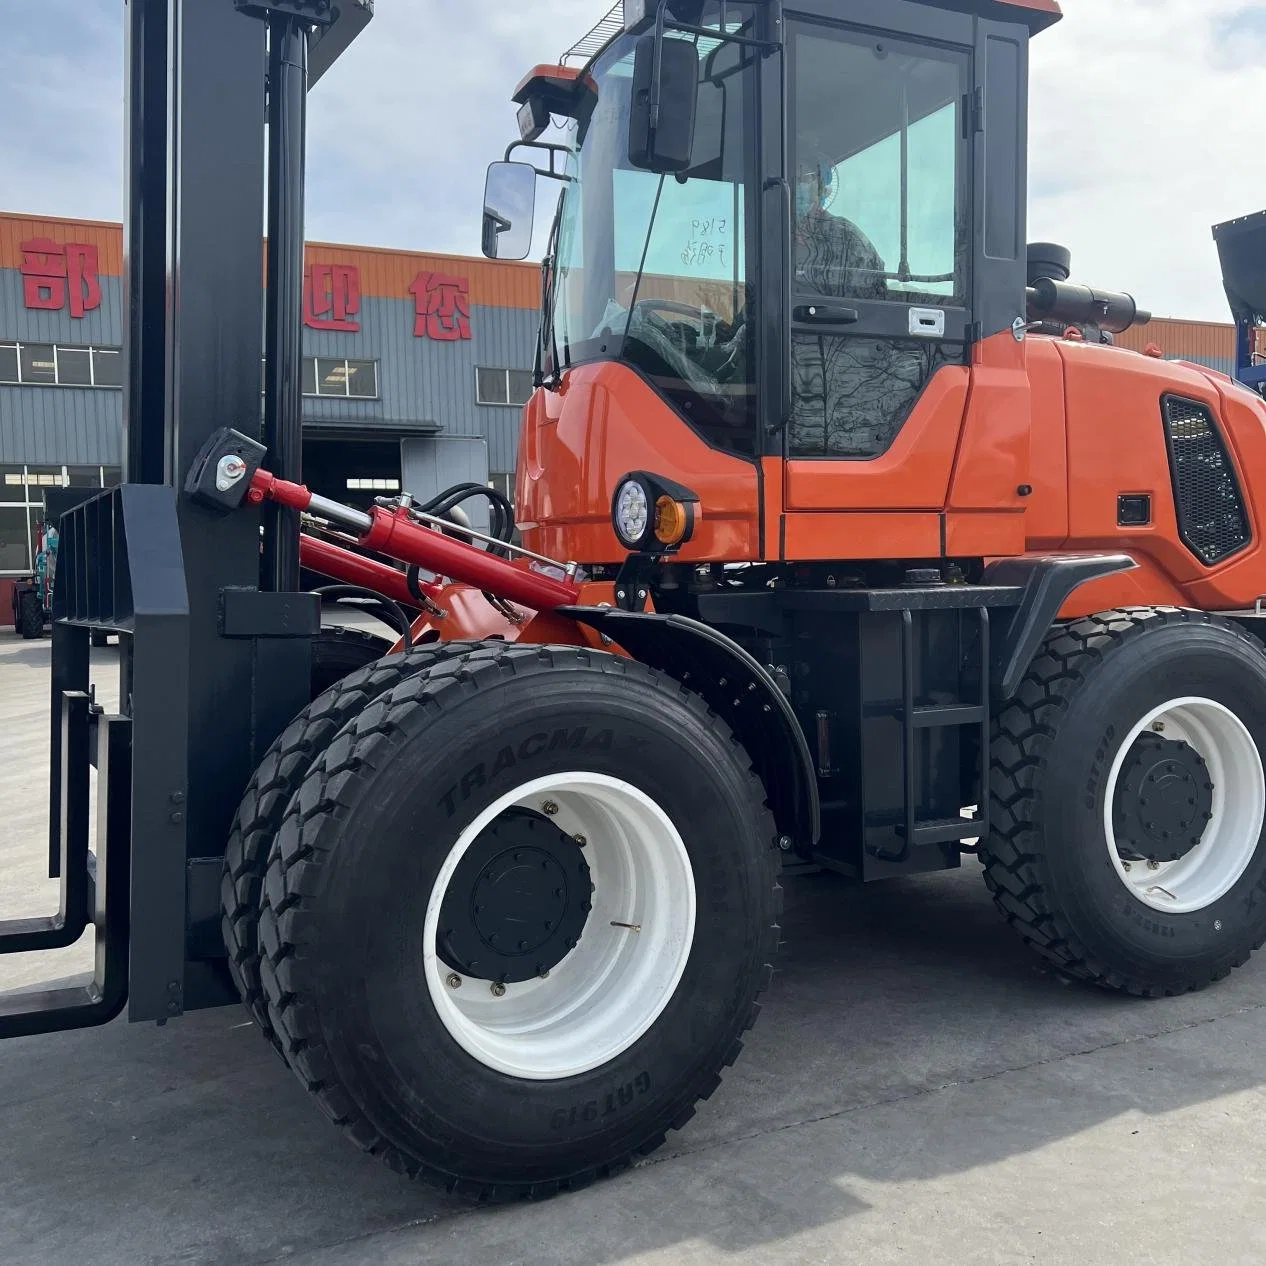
(549, 285)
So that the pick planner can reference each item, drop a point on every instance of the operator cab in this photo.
(787, 300)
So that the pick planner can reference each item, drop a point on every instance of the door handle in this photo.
(825, 314)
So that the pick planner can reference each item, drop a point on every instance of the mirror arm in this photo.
(551, 150)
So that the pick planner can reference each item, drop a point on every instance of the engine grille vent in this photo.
(1212, 520)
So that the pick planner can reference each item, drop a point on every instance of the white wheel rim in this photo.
(617, 981)
(1230, 839)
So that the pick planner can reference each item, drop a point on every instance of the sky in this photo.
(1147, 122)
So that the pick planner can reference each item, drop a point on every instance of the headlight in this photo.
(652, 515)
(632, 512)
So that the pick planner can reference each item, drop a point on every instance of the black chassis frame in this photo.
(867, 711)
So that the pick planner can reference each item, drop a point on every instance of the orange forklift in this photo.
(842, 534)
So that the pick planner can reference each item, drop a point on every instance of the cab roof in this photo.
(1039, 14)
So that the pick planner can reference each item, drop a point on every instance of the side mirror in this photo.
(665, 96)
(509, 210)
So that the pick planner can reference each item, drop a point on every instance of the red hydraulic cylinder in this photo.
(395, 534)
(353, 569)
(398, 536)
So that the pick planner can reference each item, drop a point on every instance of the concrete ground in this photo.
(918, 1090)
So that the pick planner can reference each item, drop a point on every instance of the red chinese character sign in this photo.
(331, 297)
(52, 273)
(441, 306)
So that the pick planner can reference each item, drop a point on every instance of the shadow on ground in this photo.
(193, 1143)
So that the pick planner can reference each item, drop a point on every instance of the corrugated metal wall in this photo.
(74, 426)
(107, 238)
(55, 426)
(1204, 342)
(425, 384)
(422, 383)
(388, 274)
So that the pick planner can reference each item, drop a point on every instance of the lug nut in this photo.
(497, 989)
(1158, 727)
(549, 808)
(1153, 864)
(580, 839)
(453, 980)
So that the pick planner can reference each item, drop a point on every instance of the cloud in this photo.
(1144, 126)
(1143, 137)
(61, 96)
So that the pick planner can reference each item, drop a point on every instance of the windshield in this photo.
(652, 270)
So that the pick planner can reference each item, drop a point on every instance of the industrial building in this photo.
(415, 369)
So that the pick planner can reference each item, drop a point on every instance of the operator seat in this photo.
(834, 258)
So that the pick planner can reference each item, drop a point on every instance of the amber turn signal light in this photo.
(671, 521)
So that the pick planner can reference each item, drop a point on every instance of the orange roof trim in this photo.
(384, 273)
(1045, 12)
(563, 78)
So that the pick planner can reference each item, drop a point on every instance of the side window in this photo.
(880, 195)
(867, 190)
(881, 220)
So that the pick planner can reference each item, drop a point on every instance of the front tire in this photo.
(518, 916)
(280, 774)
(1128, 799)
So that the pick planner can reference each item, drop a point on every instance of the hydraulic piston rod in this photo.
(395, 533)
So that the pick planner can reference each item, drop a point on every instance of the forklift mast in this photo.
(214, 651)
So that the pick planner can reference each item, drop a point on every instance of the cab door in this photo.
(884, 156)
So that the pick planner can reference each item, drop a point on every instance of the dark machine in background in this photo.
(1242, 251)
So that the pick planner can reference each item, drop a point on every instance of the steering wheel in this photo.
(671, 305)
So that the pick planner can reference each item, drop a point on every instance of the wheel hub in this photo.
(1163, 801)
(518, 901)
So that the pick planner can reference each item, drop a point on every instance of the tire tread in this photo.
(1015, 868)
(263, 807)
(302, 847)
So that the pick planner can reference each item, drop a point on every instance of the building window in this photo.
(325, 376)
(503, 386)
(52, 365)
(22, 506)
(373, 485)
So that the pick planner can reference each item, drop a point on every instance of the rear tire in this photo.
(280, 773)
(30, 623)
(584, 1060)
(1127, 799)
(338, 651)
